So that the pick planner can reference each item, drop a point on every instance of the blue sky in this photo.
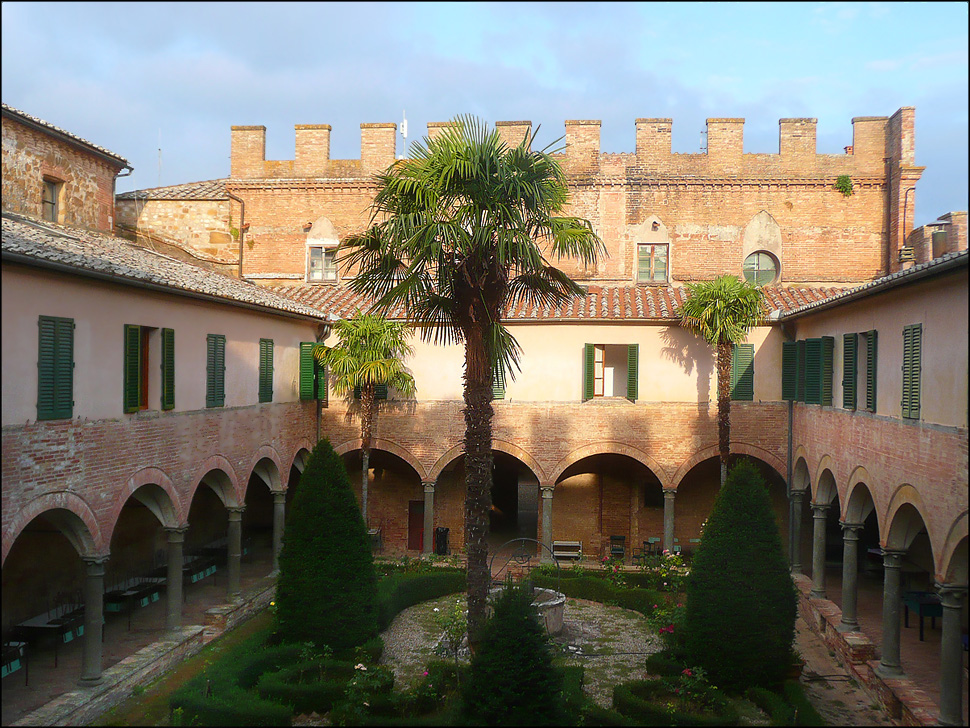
(124, 75)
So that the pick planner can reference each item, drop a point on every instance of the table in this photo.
(15, 657)
(65, 623)
(925, 604)
(142, 592)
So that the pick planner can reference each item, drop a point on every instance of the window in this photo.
(498, 383)
(850, 370)
(51, 200)
(651, 263)
(322, 264)
(789, 370)
(806, 370)
(313, 375)
(168, 369)
(610, 370)
(742, 372)
(912, 352)
(55, 368)
(140, 344)
(760, 268)
(380, 392)
(215, 370)
(265, 370)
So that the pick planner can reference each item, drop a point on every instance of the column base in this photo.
(818, 594)
(846, 627)
(889, 673)
(90, 682)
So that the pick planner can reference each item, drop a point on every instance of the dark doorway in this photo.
(415, 525)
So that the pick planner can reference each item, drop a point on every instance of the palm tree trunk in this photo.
(367, 415)
(724, 406)
(478, 478)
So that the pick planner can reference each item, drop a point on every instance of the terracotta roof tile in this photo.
(213, 189)
(7, 108)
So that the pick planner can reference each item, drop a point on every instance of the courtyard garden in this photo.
(706, 642)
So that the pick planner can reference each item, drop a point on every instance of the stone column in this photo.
(547, 492)
(951, 655)
(889, 665)
(850, 576)
(819, 512)
(669, 495)
(93, 620)
(428, 516)
(173, 581)
(279, 518)
(234, 551)
(797, 498)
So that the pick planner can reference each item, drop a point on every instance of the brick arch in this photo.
(304, 444)
(853, 494)
(800, 452)
(222, 464)
(86, 536)
(177, 516)
(388, 446)
(825, 488)
(610, 448)
(265, 452)
(801, 477)
(500, 445)
(737, 448)
(899, 534)
(956, 536)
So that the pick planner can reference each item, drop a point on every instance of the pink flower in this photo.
(687, 672)
(425, 673)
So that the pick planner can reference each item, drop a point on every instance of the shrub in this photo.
(511, 679)
(741, 602)
(650, 702)
(311, 686)
(804, 712)
(598, 589)
(789, 708)
(397, 592)
(327, 589)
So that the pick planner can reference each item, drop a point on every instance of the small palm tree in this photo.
(369, 354)
(459, 231)
(721, 312)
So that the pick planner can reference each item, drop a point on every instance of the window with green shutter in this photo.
(380, 392)
(800, 370)
(265, 370)
(632, 371)
(912, 352)
(168, 369)
(789, 369)
(55, 368)
(313, 375)
(215, 367)
(133, 385)
(742, 372)
(871, 364)
(813, 371)
(850, 371)
(498, 383)
(588, 366)
(828, 352)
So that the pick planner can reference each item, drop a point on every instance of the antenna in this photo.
(159, 157)
(404, 132)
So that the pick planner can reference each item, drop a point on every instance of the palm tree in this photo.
(721, 312)
(369, 354)
(461, 230)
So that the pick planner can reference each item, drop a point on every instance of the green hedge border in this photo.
(627, 702)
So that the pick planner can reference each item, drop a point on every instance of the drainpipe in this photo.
(909, 263)
(242, 224)
(114, 192)
(789, 335)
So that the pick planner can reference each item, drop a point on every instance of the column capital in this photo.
(670, 493)
(850, 531)
(951, 595)
(279, 497)
(797, 495)
(176, 534)
(547, 491)
(95, 561)
(428, 485)
(236, 511)
(892, 559)
(820, 508)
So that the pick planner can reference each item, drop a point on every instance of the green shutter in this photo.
(912, 345)
(168, 369)
(742, 372)
(265, 370)
(789, 369)
(850, 372)
(55, 368)
(800, 363)
(871, 364)
(813, 371)
(632, 363)
(380, 391)
(215, 390)
(132, 379)
(828, 352)
(588, 360)
(498, 383)
(307, 370)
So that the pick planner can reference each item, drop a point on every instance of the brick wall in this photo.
(30, 156)
(201, 226)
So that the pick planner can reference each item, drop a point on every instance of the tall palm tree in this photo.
(369, 353)
(460, 230)
(721, 312)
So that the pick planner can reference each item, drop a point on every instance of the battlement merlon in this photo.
(875, 139)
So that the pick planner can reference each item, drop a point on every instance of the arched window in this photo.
(760, 268)
(653, 252)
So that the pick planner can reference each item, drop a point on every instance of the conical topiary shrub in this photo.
(326, 591)
(741, 602)
(511, 679)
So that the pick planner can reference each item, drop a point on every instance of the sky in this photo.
(137, 78)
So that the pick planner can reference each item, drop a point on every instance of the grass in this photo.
(149, 706)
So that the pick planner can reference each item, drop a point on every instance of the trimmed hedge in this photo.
(397, 592)
(782, 708)
(805, 711)
(633, 700)
(289, 686)
(596, 589)
(663, 665)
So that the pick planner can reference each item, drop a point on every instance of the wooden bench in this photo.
(567, 549)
